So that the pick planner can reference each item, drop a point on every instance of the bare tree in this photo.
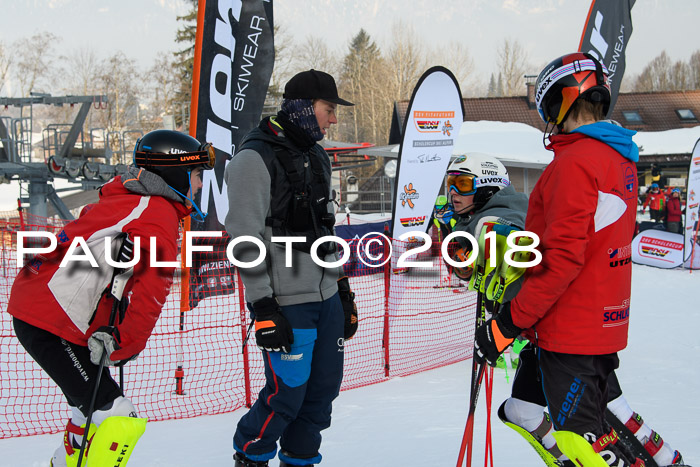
(406, 61)
(34, 65)
(162, 96)
(284, 61)
(679, 76)
(694, 66)
(655, 76)
(314, 53)
(5, 63)
(120, 81)
(80, 71)
(512, 66)
(456, 57)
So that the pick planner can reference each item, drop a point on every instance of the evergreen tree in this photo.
(184, 58)
(492, 87)
(361, 67)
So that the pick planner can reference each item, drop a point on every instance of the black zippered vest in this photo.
(299, 190)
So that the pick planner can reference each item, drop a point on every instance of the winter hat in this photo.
(301, 113)
(313, 84)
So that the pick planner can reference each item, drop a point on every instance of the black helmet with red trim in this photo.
(566, 79)
(173, 155)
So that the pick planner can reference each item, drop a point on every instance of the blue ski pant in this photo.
(295, 403)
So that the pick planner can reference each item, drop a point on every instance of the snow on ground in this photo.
(419, 420)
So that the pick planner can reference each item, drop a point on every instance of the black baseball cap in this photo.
(313, 84)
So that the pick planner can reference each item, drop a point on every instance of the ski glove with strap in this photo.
(494, 336)
(347, 298)
(102, 343)
(272, 330)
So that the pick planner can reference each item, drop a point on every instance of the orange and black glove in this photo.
(494, 336)
(347, 298)
(272, 330)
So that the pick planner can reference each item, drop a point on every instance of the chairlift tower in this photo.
(84, 163)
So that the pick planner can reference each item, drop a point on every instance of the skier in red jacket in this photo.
(61, 314)
(656, 202)
(574, 306)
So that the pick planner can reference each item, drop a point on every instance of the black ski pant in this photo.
(575, 388)
(69, 365)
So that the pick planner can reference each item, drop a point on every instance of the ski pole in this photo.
(119, 280)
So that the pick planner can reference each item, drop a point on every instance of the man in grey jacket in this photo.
(279, 186)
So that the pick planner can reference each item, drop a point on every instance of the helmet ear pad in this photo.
(483, 195)
(177, 177)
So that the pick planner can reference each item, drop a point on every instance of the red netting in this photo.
(194, 364)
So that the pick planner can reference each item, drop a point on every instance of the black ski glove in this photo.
(494, 336)
(347, 298)
(272, 330)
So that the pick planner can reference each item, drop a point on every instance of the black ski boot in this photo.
(243, 461)
(284, 464)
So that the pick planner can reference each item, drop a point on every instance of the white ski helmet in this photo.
(489, 176)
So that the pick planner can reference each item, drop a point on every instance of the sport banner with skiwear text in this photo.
(692, 211)
(430, 129)
(605, 36)
(233, 61)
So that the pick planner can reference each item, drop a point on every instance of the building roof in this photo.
(641, 111)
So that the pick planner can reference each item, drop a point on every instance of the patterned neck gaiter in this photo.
(301, 113)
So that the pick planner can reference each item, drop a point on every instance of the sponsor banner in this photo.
(434, 118)
(233, 60)
(692, 210)
(431, 127)
(211, 273)
(657, 248)
(234, 56)
(605, 36)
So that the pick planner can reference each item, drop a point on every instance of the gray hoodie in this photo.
(249, 195)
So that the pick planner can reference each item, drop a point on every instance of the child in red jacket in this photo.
(62, 315)
(656, 202)
(583, 209)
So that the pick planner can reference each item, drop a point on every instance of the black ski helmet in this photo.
(172, 156)
(566, 79)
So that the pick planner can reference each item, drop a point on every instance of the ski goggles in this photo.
(204, 157)
(463, 184)
(441, 203)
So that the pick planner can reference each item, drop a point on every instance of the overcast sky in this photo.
(546, 28)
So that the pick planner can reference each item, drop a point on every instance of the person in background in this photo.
(443, 218)
(674, 214)
(62, 315)
(656, 202)
(279, 184)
